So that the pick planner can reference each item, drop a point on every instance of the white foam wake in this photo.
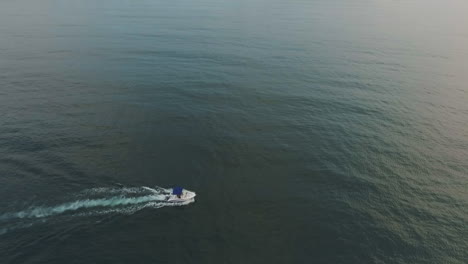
(115, 200)
(81, 204)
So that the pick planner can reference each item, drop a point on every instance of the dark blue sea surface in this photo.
(312, 131)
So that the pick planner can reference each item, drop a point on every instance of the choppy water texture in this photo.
(322, 131)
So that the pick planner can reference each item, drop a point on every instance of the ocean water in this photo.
(312, 131)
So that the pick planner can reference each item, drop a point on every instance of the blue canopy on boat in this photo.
(177, 190)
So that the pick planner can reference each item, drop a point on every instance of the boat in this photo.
(179, 195)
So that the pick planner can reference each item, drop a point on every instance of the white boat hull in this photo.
(184, 197)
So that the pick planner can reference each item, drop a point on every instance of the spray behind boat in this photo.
(94, 202)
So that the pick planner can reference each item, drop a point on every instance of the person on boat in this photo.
(177, 191)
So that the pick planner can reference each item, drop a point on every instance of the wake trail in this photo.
(38, 212)
(96, 201)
